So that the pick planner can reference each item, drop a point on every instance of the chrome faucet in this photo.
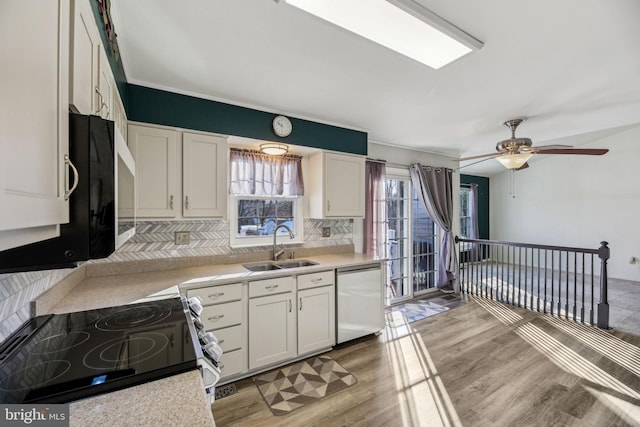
(278, 252)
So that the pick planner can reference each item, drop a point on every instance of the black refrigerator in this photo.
(90, 233)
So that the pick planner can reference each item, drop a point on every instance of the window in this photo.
(465, 214)
(259, 217)
(265, 193)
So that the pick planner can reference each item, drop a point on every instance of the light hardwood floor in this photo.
(480, 364)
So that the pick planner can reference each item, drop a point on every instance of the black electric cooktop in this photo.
(65, 357)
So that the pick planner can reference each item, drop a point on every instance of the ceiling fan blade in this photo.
(584, 151)
(478, 157)
(526, 165)
(545, 147)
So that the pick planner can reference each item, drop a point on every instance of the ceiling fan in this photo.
(513, 153)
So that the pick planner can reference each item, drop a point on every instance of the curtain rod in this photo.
(398, 165)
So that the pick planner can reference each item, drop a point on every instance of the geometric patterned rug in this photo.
(308, 381)
(414, 310)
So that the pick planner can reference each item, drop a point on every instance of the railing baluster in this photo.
(592, 296)
(582, 306)
(553, 261)
(566, 284)
(546, 256)
(575, 285)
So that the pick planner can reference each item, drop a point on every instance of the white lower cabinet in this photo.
(316, 319)
(264, 323)
(272, 329)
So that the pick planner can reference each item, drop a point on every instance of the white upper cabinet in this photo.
(155, 151)
(106, 88)
(34, 120)
(201, 190)
(85, 50)
(336, 185)
(204, 159)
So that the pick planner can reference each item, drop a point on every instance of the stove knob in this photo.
(198, 324)
(195, 305)
(208, 338)
(213, 350)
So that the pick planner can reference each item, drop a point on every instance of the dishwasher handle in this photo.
(358, 268)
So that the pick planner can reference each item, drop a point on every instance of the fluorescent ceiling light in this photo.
(401, 25)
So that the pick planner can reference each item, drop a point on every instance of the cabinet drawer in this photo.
(232, 363)
(217, 294)
(259, 288)
(313, 280)
(229, 338)
(222, 315)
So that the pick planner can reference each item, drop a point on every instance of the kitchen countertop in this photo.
(176, 401)
(146, 404)
(107, 291)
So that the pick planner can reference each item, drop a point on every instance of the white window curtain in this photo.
(253, 173)
(375, 230)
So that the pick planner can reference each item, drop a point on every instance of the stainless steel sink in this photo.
(263, 266)
(296, 263)
(267, 266)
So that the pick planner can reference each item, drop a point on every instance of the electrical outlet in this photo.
(182, 237)
(633, 260)
(326, 231)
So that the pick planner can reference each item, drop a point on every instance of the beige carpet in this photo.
(308, 381)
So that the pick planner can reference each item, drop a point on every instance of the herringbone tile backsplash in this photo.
(155, 239)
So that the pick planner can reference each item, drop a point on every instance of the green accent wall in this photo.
(483, 202)
(116, 64)
(173, 109)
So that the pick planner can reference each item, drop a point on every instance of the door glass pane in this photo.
(424, 248)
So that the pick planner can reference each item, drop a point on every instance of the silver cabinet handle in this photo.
(216, 317)
(221, 365)
(186, 202)
(318, 280)
(290, 306)
(76, 178)
(220, 341)
(328, 205)
(271, 287)
(102, 104)
(171, 201)
(300, 303)
(216, 295)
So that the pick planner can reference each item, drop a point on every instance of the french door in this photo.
(411, 241)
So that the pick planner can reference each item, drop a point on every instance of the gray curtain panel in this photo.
(375, 230)
(435, 190)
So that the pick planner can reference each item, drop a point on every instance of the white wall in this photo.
(576, 201)
(401, 156)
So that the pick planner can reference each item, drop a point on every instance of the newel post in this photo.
(603, 306)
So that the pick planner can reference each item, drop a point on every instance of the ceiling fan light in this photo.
(514, 161)
(274, 148)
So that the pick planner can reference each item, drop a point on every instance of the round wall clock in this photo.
(282, 126)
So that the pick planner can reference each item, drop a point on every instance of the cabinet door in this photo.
(85, 47)
(344, 185)
(34, 120)
(272, 329)
(106, 87)
(155, 153)
(204, 187)
(316, 319)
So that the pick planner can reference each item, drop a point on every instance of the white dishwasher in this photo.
(360, 301)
